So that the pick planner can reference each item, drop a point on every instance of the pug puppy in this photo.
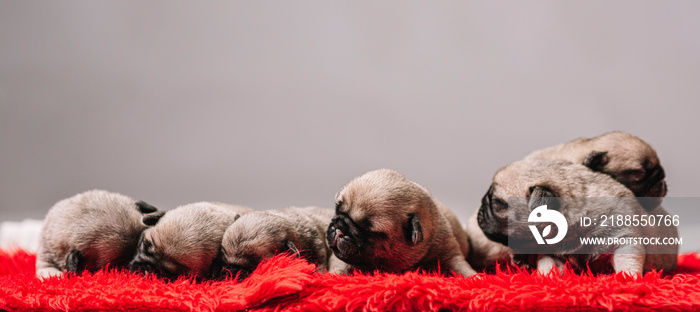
(624, 157)
(185, 241)
(564, 187)
(90, 231)
(262, 234)
(385, 222)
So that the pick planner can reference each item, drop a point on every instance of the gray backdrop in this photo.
(276, 103)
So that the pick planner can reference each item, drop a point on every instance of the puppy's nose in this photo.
(338, 236)
(659, 189)
(141, 267)
(333, 235)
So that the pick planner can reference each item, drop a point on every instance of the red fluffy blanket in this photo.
(289, 284)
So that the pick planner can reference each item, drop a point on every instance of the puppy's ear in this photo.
(152, 218)
(596, 160)
(75, 261)
(291, 248)
(542, 195)
(414, 234)
(338, 202)
(145, 207)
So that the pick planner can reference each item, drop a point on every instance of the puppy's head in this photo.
(100, 228)
(382, 221)
(540, 182)
(571, 189)
(630, 161)
(184, 242)
(251, 239)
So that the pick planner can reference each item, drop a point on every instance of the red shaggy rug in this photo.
(288, 284)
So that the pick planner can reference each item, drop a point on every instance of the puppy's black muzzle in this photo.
(142, 267)
(656, 184)
(146, 265)
(234, 271)
(340, 238)
(653, 189)
(492, 226)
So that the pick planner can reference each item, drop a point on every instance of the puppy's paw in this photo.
(461, 267)
(545, 265)
(47, 273)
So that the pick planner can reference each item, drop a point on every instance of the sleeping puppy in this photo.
(624, 157)
(565, 187)
(89, 231)
(185, 241)
(262, 234)
(386, 222)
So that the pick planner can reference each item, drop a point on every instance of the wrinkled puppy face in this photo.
(632, 162)
(183, 243)
(149, 258)
(251, 239)
(525, 179)
(380, 222)
(493, 215)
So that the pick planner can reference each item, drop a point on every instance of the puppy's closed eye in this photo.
(634, 174)
(498, 204)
